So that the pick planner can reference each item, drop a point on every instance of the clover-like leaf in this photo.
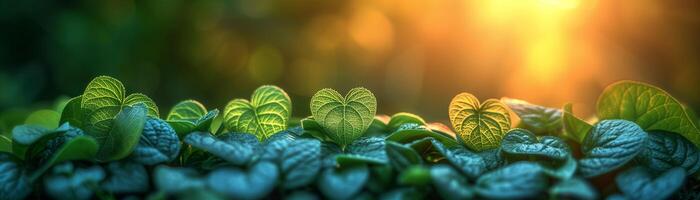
(640, 183)
(104, 98)
(649, 107)
(574, 127)
(665, 150)
(254, 183)
(158, 143)
(344, 118)
(342, 183)
(265, 114)
(479, 126)
(189, 116)
(610, 145)
(538, 119)
(521, 180)
(522, 143)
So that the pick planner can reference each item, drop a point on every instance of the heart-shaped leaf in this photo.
(640, 183)
(665, 150)
(344, 118)
(103, 99)
(649, 107)
(480, 126)
(189, 116)
(265, 114)
(610, 145)
(159, 143)
(538, 119)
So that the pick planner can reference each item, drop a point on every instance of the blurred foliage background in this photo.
(415, 55)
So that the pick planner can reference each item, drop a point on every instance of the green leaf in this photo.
(76, 184)
(610, 145)
(314, 129)
(416, 175)
(401, 156)
(650, 107)
(123, 136)
(410, 135)
(479, 126)
(23, 136)
(665, 150)
(267, 113)
(574, 127)
(5, 144)
(126, 177)
(158, 143)
(401, 118)
(75, 148)
(450, 185)
(301, 162)
(173, 180)
(539, 119)
(343, 183)
(638, 183)
(521, 180)
(366, 150)
(467, 162)
(189, 110)
(183, 127)
(73, 113)
(236, 148)
(255, 183)
(104, 98)
(344, 118)
(522, 143)
(574, 188)
(45, 118)
(14, 182)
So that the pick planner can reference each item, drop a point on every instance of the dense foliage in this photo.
(109, 145)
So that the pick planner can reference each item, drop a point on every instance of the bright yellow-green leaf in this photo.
(344, 118)
(267, 113)
(190, 110)
(649, 107)
(479, 126)
(574, 127)
(46, 118)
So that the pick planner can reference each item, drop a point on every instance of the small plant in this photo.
(109, 145)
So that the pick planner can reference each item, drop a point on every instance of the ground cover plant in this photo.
(105, 144)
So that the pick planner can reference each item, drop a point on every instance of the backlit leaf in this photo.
(479, 126)
(344, 118)
(265, 114)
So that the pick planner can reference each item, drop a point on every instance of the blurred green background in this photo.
(415, 55)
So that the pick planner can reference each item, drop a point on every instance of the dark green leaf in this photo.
(364, 150)
(539, 119)
(340, 184)
(75, 148)
(450, 185)
(410, 135)
(522, 143)
(402, 157)
(415, 175)
(236, 148)
(73, 113)
(77, 184)
(159, 143)
(520, 180)
(610, 145)
(574, 188)
(638, 183)
(126, 177)
(401, 118)
(235, 183)
(124, 134)
(574, 127)
(665, 150)
(5, 144)
(14, 182)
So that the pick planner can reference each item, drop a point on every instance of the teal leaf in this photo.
(640, 184)
(520, 180)
(345, 119)
(492, 158)
(123, 136)
(665, 150)
(610, 145)
(254, 183)
(342, 183)
(561, 171)
(450, 185)
(328, 153)
(72, 148)
(158, 143)
(14, 182)
(652, 108)
(538, 119)
(77, 184)
(172, 180)
(522, 143)
(574, 188)
(301, 162)
(401, 156)
(467, 162)
(366, 150)
(236, 148)
(574, 128)
(23, 136)
(126, 177)
(267, 112)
